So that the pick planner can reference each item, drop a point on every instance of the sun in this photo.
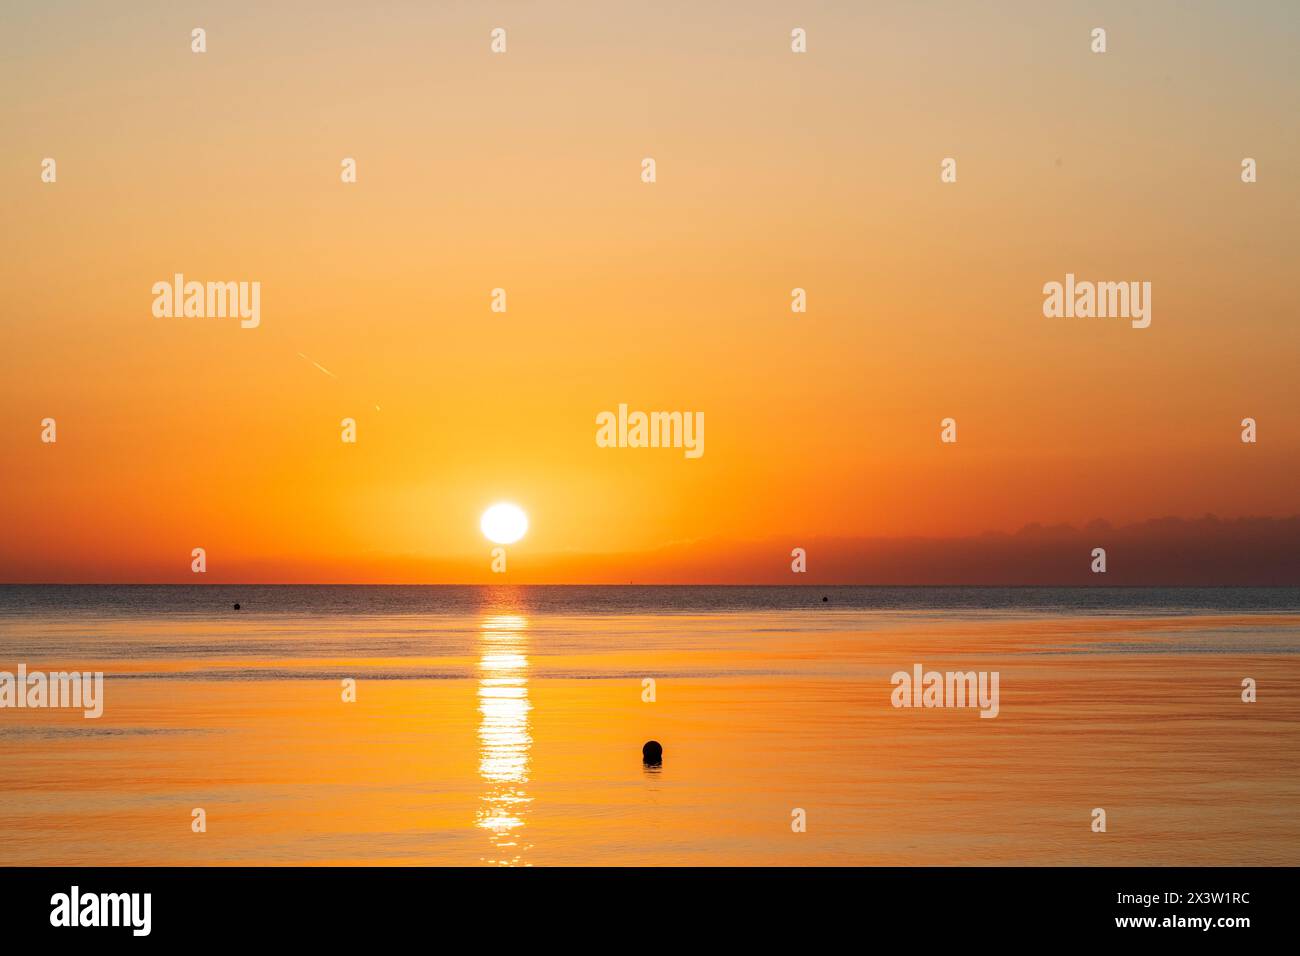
(504, 523)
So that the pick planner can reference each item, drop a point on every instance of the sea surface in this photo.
(503, 726)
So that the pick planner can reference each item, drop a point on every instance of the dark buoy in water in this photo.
(652, 753)
(236, 607)
(825, 598)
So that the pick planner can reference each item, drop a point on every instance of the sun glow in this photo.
(504, 523)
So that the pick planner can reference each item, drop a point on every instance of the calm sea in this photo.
(23, 599)
(498, 725)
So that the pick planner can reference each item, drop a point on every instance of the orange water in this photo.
(516, 740)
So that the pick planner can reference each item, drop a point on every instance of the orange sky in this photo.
(521, 171)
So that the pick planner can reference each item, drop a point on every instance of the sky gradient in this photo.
(521, 171)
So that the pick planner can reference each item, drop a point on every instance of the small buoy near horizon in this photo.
(236, 607)
(652, 753)
(825, 598)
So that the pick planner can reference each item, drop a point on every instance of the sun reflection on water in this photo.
(504, 737)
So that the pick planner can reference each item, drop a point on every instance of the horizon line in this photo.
(552, 584)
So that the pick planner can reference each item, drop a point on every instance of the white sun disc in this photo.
(504, 523)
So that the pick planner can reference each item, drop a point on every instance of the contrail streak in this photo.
(318, 365)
